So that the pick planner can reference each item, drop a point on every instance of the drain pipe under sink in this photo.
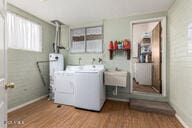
(115, 90)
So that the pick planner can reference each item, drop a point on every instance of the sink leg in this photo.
(115, 91)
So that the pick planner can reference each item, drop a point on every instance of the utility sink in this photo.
(91, 68)
(116, 78)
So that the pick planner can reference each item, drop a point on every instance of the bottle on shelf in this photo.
(120, 46)
(111, 45)
(126, 44)
(115, 45)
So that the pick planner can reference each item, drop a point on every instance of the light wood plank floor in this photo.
(143, 88)
(45, 114)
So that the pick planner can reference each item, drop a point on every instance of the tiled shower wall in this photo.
(180, 61)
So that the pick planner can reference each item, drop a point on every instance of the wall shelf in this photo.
(111, 51)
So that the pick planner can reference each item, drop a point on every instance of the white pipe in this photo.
(56, 37)
(115, 90)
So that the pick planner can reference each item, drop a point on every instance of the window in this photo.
(88, 39)
(78, 40)
(23, 34)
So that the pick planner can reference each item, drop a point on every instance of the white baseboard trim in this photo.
(117, 99)
(181, 121)
(25, 104)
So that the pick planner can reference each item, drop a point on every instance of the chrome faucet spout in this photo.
(100, 60)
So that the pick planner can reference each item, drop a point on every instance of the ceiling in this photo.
(140, 28)
(72, 12)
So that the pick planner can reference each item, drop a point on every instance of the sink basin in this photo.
(93, 67)
(74, 68)
(116, 72)
(88, 68)
(116, 78)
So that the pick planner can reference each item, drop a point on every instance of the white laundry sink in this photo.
(74, 68)
(116, 78)
(91, 68)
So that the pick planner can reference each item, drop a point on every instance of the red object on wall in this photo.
(111, 45)
(126, 44)
(115, 45)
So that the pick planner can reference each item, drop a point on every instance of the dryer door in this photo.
(64, 93)
(64, 83)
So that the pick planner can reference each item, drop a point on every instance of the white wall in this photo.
(180, 63)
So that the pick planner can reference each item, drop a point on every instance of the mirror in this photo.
(147, 57)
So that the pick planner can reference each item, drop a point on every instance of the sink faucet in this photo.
(116, 69)
(100, 60)
(80, 60)
(93, 61)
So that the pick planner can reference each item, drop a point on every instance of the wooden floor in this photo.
(45, 114)
(143, 88)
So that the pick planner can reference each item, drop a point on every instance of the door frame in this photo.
(3, 13)
(163, 52)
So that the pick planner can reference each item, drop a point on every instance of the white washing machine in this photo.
(89, 88)
(64, 86)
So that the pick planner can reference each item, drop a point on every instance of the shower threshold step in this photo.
(152, 106)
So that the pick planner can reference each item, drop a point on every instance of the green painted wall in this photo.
(180, 62)
(22, 68)
(114, 29)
